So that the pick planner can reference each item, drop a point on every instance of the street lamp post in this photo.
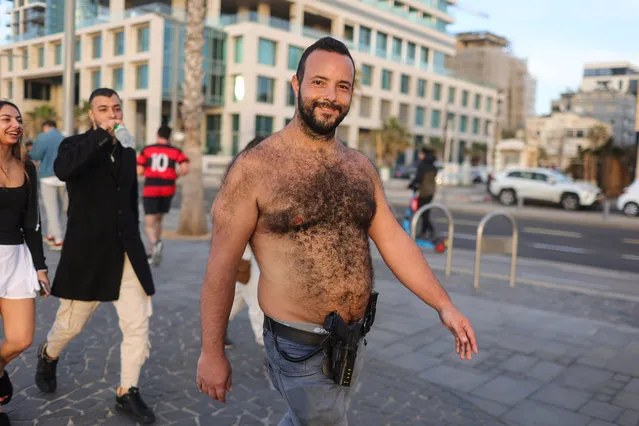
(68, 79)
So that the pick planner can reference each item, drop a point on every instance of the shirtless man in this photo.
(307, 204)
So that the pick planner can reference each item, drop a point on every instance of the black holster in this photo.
(340, 349)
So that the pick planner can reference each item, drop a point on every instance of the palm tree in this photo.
(82, 123)
(192, 218)
(597, 135)
(390, 140)
(39, 115)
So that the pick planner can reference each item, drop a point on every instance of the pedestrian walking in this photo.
(23, 271)
(54, 193)
(103, 258)
(159, 164)
(309, 206)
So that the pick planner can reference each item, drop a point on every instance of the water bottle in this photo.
(124, 136)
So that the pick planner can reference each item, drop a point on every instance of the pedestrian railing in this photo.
(496, 245)
(451, 229)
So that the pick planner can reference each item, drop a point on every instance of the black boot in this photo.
(46, 371)
(4, 420)
(131, 404)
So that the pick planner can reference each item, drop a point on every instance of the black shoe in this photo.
(131, 404)
(4, 420)
(46, 371)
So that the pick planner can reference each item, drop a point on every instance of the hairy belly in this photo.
(307, 280)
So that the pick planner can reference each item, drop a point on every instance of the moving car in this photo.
(628, 202)
(544, 185)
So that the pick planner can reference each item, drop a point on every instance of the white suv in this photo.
(628, 202)
(543, 185)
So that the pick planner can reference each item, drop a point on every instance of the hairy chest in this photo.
(311, 200)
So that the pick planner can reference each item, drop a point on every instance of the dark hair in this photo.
(426, 150)
(49, 123)
(252, 144)
(326, 44)
(102, 91)
(164, 132)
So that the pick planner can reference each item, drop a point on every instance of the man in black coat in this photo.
(426, 186)
(103, 258)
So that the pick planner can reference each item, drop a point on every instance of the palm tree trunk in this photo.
(192, 217)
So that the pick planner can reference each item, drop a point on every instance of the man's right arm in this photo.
(234, 216)
(73, 156)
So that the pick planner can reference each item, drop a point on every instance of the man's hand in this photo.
(458, 324)
(214, 376)
(43, 278)
(109, 126)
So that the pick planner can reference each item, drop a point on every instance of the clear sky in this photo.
(557, 36)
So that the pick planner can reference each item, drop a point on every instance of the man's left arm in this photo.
(134, 200)
(406, 260)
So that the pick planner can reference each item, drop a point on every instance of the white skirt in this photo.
(18, 277)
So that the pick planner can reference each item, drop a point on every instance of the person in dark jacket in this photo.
(103, 258)
(23, 271)
(425, 184)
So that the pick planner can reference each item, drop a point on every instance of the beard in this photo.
(322, 126)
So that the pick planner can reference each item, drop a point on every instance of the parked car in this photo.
(628, 202)
(543, 185)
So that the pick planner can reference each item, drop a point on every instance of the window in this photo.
(419, 116)
(25, 59)
(435, 118)
(239, 88)
(451, 95)
(475, 126)
(96, 47)
(265, 87)
(78, 50)
(423, 57)
(364, 39)
(439, 61)
(477, 101)
(465, 98)
(463, 124)
(382, 45)
(541, 177)
(386, 79)
(405, 84)
(238, 53)
(213, 133)
(235, 119)
(96, 76)
(397, 49)
(349, 33)
(514, 175)
(10, 89)
(290, 95)
(142, 77)
(41, 57)
(58, 54)
(421, 88)
(367, 75)
(294, 55)
(385, 110)
(437, 92)
(263, 125)
(451, 120)
(266, 52)
(410, 53)
(10, 59)
(489, 104)
(118, 78)
(118, 43)
(143, 39)
(365, 106)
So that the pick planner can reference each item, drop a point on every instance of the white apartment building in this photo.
(254, 46)
(619, 76)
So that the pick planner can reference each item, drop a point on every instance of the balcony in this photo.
(412, 16)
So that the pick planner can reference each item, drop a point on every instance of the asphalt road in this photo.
(590, 245)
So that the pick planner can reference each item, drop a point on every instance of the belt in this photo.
(293, 334)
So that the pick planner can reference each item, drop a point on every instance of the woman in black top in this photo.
(23, 271)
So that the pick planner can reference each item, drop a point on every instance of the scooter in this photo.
(437, 244)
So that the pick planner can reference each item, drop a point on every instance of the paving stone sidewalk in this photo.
(89, 370)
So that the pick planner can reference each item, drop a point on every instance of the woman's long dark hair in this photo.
(19, 150)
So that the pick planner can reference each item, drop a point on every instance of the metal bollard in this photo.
(520, 203)
(606, 209)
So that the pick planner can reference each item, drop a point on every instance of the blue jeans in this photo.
(312, 398)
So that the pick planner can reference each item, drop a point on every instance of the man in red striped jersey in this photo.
(159, 165)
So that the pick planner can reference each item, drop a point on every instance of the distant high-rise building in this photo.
(619, 76)
(486, 58)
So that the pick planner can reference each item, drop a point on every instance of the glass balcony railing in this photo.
(433, 23)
